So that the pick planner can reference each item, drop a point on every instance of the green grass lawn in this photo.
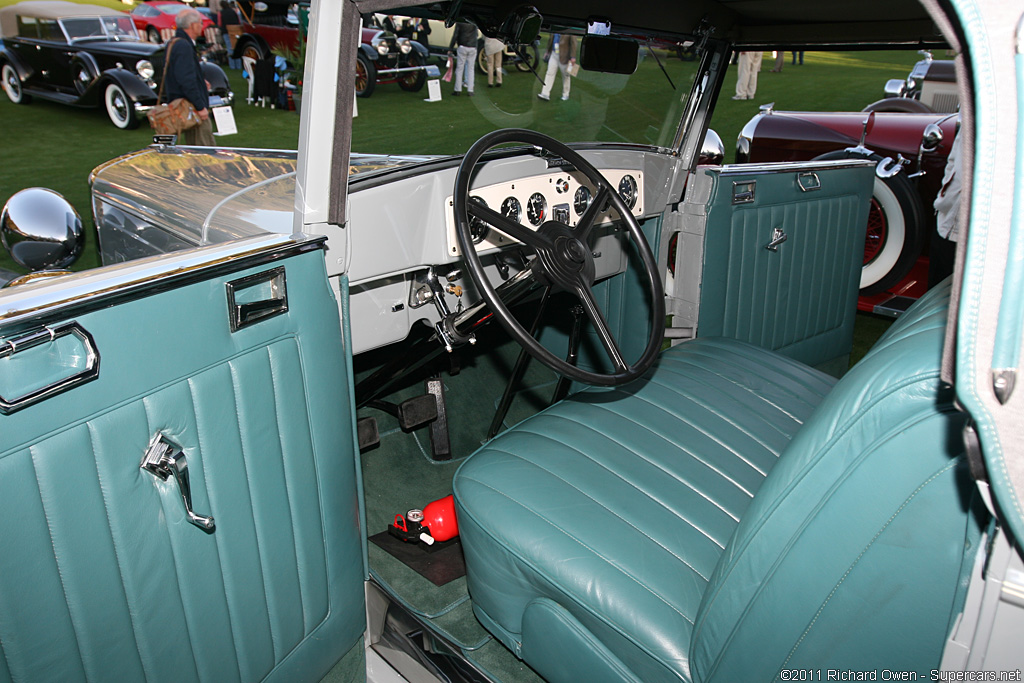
(55, 146)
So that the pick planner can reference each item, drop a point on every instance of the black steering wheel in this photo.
(562, 259)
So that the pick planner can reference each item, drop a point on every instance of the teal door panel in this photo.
(782, 255)
(102, 575)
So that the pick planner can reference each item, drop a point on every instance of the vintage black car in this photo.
(85, 56)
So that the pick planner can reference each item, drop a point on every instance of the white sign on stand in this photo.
(224, 117)
(433, 90)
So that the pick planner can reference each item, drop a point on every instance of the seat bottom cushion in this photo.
(616, 504)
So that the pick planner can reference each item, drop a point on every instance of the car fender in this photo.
(134, 87)
(88, 63)
(10, 57)
(902, 105)
(216, 77)
(420, 49)
(250, 39)
(368, 51)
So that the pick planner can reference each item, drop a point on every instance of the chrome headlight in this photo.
(145, 69)
(404, 46)
(382, 48)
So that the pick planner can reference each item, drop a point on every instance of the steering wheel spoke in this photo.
(604, 333)
(516, 231)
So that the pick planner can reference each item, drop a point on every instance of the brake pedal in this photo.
(416, 412)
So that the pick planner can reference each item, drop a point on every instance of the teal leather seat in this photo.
(733, 514)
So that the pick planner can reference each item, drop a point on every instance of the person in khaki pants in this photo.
(493, 49)
(561, 56)
(746, 84)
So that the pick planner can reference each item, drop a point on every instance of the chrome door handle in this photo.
(778, 237)
(257, 297)
(808, 181)
(47, 335)
(164, 459)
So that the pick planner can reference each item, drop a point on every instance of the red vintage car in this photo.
(912, 149)
(155, 19)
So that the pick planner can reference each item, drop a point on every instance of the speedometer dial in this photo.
(512, 209)
(582, 200)
(536, 208)
(628, 190)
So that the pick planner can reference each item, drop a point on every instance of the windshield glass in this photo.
(539, 88)
(118, 28)
(172, 7)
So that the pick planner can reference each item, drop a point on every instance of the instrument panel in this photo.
(563, 196)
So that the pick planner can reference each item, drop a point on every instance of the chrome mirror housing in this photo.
(713, 150)
(931, 138)
(895, 87)
(41, 230)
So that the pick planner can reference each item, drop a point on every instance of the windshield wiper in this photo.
(660, 65)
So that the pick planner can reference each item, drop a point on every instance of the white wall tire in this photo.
(120, 108)
(895, 231)
(12, 85)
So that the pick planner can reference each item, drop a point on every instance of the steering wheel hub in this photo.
(563, 260)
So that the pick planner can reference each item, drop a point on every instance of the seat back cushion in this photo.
(850, 555)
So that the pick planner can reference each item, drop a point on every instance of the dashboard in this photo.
(532, 201)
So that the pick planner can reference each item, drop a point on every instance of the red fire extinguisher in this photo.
(435, 522)
(439, 517)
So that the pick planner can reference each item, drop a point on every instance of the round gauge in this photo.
(512, 209)
(582, 200)
(477, 226)
(628, 190)
(536, 208)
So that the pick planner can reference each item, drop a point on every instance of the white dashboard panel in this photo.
(559, 191)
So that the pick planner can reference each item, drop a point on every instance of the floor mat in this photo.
(438, 563)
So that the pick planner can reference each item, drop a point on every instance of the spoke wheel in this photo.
(120, 109)
(366, 76)
(414, 80)
(562, 259)
(12, 85)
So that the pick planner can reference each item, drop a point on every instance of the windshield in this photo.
(116, 28)
(172, 8)
(575, 106)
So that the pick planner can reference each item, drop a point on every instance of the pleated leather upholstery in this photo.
(101, 576)
(726, 519)
(617, 504)
(799, 300)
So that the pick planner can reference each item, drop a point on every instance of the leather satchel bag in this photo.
(177, 115)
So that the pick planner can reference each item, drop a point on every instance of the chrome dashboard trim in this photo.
(54, 299)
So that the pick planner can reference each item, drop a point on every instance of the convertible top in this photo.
(49, 9)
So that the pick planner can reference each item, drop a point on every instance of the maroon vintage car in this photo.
(912, 151)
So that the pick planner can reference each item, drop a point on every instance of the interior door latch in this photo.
(778, 237)
(164, 459)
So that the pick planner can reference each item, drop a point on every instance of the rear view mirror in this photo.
(610, 55)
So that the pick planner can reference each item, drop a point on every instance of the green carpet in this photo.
(400, 473)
